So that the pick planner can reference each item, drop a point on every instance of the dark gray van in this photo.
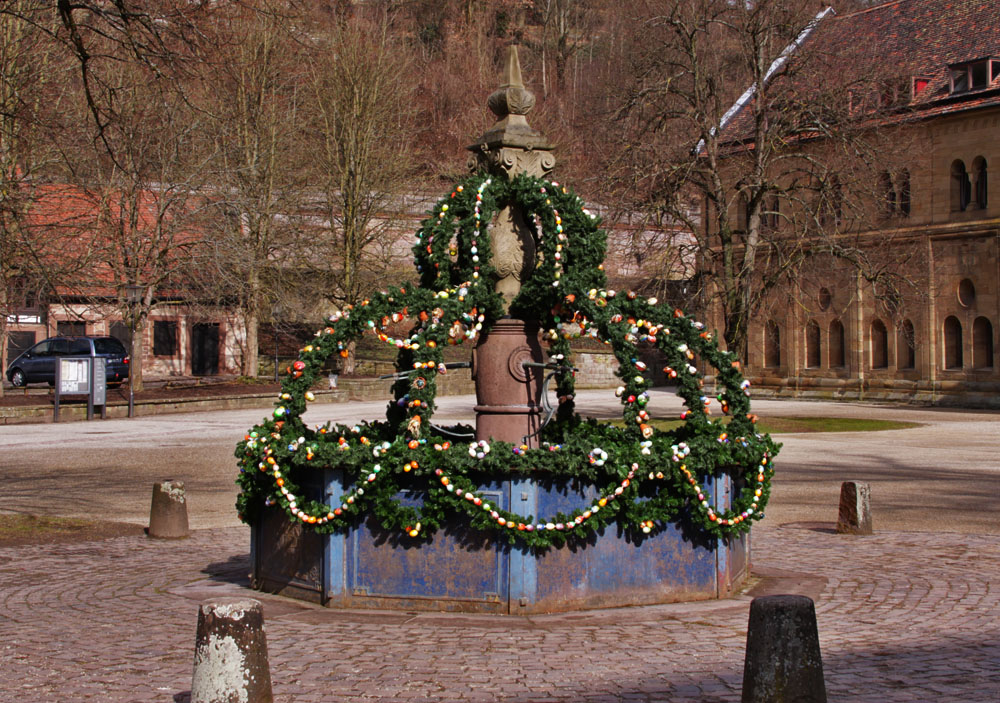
(38, 364)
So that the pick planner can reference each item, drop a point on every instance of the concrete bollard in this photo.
(855, 517)
(168, 518)
(783, 662)
(230, 654)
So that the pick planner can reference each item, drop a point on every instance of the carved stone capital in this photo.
(510, 161)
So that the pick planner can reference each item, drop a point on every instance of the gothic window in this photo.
(813, 345)
(837, 349)
(906, 353)
(961, 187)
(772, 344)
(904, 193)
(770, 216)
(832, 204)
(879, 345)
(982, 188)
(742, 213)
(888, 194)
(982, 343)
(952, 343)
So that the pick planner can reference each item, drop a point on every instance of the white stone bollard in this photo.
(168, 518)
(230, 654)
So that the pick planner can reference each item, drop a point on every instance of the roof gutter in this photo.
(774, 68)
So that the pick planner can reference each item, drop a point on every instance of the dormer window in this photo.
(918, 84)
(973, 75)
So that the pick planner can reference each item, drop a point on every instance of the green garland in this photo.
(645, 479)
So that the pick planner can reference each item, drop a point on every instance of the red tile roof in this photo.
(922, 36)
(77, 230)
(910, 38)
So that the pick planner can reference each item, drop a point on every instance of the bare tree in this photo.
(360, 124)
(28, 59)
(755, 184)
(252, 90)
(567, 28)
(140, 177)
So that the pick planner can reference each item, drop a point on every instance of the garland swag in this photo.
(643, 478)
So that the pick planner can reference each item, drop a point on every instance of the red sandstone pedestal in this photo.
(507, 392)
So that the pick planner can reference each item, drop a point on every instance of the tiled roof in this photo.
(909, 38)
(67, 230)
(924, 36)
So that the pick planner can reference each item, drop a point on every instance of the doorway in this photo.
(205, 349)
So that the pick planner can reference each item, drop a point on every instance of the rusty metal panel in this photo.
(613, 568)
(288, 559)
(458, 565)
(462, 570)
(733, 552)
(739, 558)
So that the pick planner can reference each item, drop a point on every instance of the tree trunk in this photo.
(3, 345)
(347, 367)
(735, 332)
(138, 354)
(248, 367)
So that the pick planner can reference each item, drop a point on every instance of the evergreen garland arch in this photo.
(645, 478)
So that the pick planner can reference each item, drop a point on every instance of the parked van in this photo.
(38, 364)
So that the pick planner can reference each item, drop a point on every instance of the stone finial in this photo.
(511, 98)
(511, 145)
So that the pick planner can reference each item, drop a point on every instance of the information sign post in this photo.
(98, 388)
(81, 375)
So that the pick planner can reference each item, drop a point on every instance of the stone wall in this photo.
(939, 343)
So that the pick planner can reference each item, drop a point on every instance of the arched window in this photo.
(982, 189)
(961, 187)
(770, 216)
(982, 343)
(824, 298)
(742, 213)
(837, 350)
(906, 353)
(888, 193)
(879, 345)
(837, 201)
(952, 343)
(904, 193)
(772, 344)
(813, 345)
(966, 292)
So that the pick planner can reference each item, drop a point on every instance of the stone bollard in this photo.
(855, 516)
(783, 662)
(168, 518)
(230, 654)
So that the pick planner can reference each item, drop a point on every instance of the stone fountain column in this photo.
(507, 392)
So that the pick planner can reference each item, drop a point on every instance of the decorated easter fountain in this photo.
(534, 509)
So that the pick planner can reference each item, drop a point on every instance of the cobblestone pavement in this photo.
(903, 616)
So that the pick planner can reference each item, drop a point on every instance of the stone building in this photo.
(937, 344)
(180, 336)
